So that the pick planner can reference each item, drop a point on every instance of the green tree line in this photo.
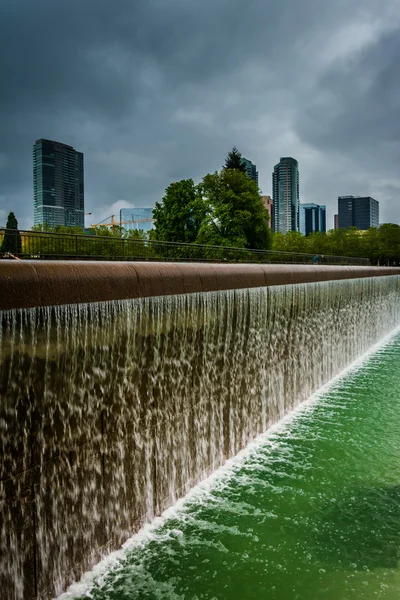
(380, 245)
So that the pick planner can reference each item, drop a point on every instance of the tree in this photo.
(179, 216)
(293, 241)
(317, 243)
(12, 237)
(236, 215)
(234, 160)
(45, 228)
(104, 231)
(388, 243)
(136, 234)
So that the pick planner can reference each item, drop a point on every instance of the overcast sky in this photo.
(153, 91)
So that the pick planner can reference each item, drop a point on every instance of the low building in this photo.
(358, 211)
(137, 218)
(336, 222)
(268, 203)
(312, 218)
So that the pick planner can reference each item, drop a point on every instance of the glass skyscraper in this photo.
(358, 211)
(312, 218)
(142, 216)
(58, 186)
(285, 192)
(251, 169)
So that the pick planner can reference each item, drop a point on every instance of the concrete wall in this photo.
(26, 284)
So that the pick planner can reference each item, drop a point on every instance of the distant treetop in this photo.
(234, 160)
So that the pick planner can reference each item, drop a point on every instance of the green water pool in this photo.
(311, 512)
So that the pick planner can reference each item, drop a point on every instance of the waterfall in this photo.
(111, 411)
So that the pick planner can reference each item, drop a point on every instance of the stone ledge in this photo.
(28, 284)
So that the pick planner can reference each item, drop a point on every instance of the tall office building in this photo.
(285, 192)
(251, 169)
(267, 201)
(312, 218)
(358, 211)
(58, 188)
(143, 218)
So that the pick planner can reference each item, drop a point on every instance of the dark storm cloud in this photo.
(154, 90)
(362, 100)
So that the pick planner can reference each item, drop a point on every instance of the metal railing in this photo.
(69, 246)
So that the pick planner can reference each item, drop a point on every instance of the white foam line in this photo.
(96, 575)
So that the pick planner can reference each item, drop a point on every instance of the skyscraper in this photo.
(251, 169)
(358, 211)
(58, 187)
(312, 218)
(285, 191)
(141, 215)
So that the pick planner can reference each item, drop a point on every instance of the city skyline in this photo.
(317, 223)
(150, 108)
(251, 171)
(48, 150)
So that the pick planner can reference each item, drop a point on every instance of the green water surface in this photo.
(311, 513)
